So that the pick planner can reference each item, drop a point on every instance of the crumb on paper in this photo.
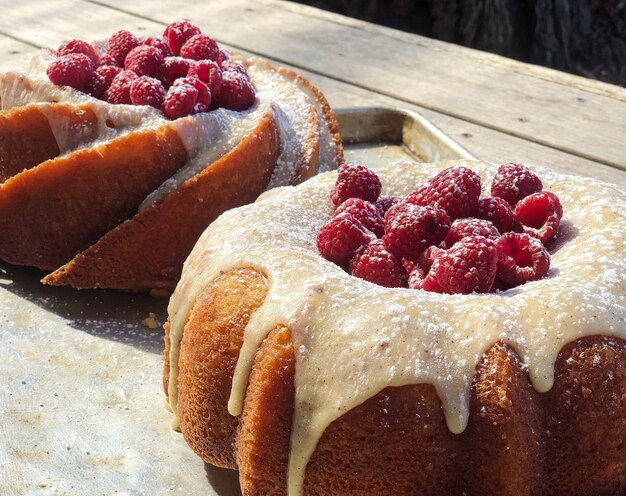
(151, 321)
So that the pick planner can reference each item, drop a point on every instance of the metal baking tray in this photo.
(81, 403)
(378, 135)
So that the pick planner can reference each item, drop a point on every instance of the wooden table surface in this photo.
(497, 108)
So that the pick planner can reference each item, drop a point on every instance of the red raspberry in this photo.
(173, 68)
(386, 203)
(119, 91)
(237, 92)
(144, 61)
(498, 211)
(106, 59)
(108, 72)
(120, 44)
(468, 267)
(456, 190)
(79, 46)
(410, 229)
(416, 277)
(73, 70)
(209, 73)
(180, 100)
(160, 44)
(101, 80)
(463, 228)
(147, 91)
(375, 264)
(540, 215)
(200, 47)
(177, 33)
(429, 283)
(340, 239)
(365, 212)
(203, 100)
(224, 56)
(428, 256)
(513, 182)
(355, 181)
(521, 258)
(234, 66)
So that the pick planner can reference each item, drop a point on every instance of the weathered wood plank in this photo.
(13, 53)
(413, 70)
(485, 143)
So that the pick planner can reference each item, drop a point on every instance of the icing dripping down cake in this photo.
(311, 381)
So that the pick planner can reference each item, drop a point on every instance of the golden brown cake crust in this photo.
(569, 441)
(52, 211)
(134, 255)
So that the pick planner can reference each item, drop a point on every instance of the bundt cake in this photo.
(109, 174)
(309, 380)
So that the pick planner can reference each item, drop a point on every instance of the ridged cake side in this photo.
(568, 441)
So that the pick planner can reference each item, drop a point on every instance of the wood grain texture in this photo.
(583, 123)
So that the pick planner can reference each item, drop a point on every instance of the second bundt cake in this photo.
(97, 189)
(309, 380)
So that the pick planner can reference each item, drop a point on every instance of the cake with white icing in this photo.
(110, 194)
(308, 380)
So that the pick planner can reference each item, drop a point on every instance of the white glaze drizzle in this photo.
(353, 338)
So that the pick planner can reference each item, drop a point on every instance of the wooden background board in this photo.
(497, 108)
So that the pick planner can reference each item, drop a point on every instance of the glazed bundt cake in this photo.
(115, 156)
(309, 380)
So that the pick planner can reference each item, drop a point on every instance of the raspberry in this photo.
(463, 228)
(120, 44)
(160, 44)
(428, 256)
(96, 86)
(468, 267)
(147, 91)
(119, 91)
(108, 72)
(386, 203)
(73, 70)
(203, 100)
(180, 100)
(209, 73)
(540, 215)
(375, 264)
(79, 46)
(340, 239)
(355, 181)
(513, 182)
(237, 92)
(410, 229)
(415, 277)
(223, 56)
(521, 258)
(429, 283)
(200, 47)
(498, 211)
(234, 66)
(144, 61)
(101, 80)
(365, 212)
(456, 190)
(173, 68)
(177, 33)
(106, 59)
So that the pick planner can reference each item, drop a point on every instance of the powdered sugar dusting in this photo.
(341, 321)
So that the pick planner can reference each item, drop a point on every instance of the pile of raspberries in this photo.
(442, 237)
(182, 73)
